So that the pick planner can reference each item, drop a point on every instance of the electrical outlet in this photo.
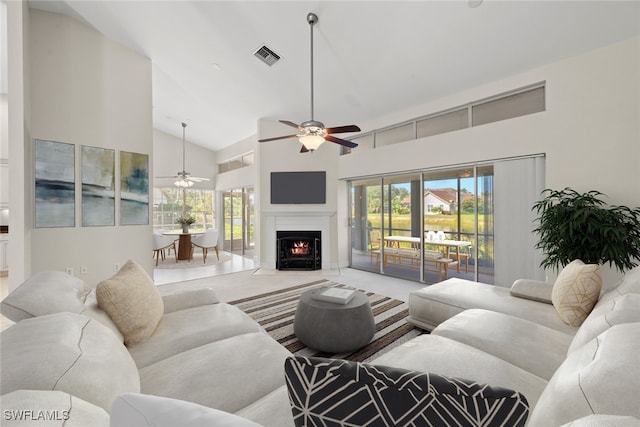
(69, 271)
(116, 267)
(83, 269)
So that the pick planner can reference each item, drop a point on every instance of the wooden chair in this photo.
(206, 241)
(160, 243)
(374, 244)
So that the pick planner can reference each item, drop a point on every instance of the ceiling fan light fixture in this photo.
(311, 141)
(183, 183)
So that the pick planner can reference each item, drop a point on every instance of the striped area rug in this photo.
(275, 312)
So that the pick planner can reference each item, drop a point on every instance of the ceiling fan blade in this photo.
(277, 137)
(293, 125)
(196, 179)
(341, 129)
(341, 141)
(167, 177)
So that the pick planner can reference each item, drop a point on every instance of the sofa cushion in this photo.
(133, 409)
(132, 302)
(532, 347)
(183, 330)
(25, 408)
(43, 293)
(600, 377)
(576, 291)
(67, 352)
(339, 392)
(432, 353)
(621, 309)
(433, 304)
(273, 410)
(535, 290)
(228, 374)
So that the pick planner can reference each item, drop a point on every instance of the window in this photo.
(237, 162)
(168, 204)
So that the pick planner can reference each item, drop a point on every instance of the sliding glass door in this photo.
(425, 226)
(239, 220)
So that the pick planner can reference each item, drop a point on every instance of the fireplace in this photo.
(298, 250)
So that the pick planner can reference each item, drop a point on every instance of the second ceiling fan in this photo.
(312, 132)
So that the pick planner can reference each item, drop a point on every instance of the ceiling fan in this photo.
(312, 132)
(184, 178)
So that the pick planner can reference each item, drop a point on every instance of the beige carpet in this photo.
(170, 260)
(275, 311)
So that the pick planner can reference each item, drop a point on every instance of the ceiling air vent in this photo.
(266, 55)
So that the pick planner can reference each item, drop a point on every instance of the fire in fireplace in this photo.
(298, 250)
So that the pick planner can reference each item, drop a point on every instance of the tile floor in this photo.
(239, 278)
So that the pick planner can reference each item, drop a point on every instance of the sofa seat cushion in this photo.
(273, 410)
(601, 377)
(184, 330)
(432, 353)
(44, 293)
(134, 409)
(532, 347)
(228, 374)
(67, 352)
(576, 291)
(132, 302)
(432, 305)
(340, 392)
(25, 408)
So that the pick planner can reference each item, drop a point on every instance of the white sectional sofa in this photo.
(208, 363)
(66, 356)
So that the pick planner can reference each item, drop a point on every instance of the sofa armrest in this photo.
(189, 299)
(331, 391)
(133, 409)
(535, 290)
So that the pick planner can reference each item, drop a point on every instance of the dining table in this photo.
(184, 243)
(395, 241)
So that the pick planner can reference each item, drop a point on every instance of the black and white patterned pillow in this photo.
(329, 392)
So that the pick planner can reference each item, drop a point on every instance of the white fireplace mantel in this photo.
(273, 221)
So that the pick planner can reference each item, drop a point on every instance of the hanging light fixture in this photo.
(184, 178)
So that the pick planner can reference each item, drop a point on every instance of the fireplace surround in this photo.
(298, 250)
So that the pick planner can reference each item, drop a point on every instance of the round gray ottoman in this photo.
(334, 328)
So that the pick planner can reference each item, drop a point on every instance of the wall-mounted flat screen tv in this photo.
(301, 188)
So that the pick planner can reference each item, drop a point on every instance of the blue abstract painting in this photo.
(55, 184)
(98, 187)
(134, 188)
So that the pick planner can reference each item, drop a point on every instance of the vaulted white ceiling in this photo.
(371, 57)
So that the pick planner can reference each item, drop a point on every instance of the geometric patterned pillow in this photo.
(576, 291)
(332, 392)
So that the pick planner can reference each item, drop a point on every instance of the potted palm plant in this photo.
(185, 221)
(581, 226)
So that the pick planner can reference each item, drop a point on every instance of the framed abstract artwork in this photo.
(55, 184)
(134, 188)
(98, 186)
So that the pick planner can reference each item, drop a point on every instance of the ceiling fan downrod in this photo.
(312, 19)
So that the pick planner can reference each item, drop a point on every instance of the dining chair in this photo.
(160, 243)
(374, 244)
(206, 241)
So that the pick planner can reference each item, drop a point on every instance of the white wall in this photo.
(167, 160)
(85, 90)
(589, 133)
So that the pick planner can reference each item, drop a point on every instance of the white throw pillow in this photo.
(132, 301)
(43, 293)
(576, 291)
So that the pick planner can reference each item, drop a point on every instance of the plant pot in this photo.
(185, 229)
